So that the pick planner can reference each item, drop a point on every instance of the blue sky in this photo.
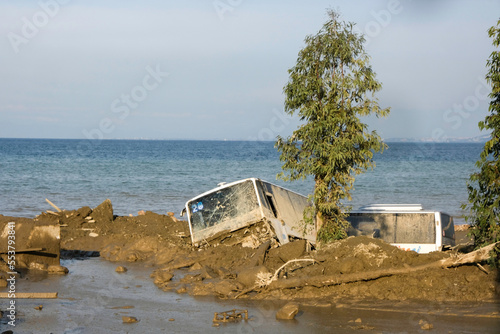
(216, 69)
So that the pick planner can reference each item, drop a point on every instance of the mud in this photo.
(235, 267)
(93, 298)
(35, 242)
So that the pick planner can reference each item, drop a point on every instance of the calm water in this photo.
(162, 175)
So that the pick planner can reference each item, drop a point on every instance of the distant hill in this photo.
(478, 139)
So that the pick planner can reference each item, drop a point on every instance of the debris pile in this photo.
(250, 263)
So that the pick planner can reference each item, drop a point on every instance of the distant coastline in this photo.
(477, 139)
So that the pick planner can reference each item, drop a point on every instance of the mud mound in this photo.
(228, 272)
(96, 229)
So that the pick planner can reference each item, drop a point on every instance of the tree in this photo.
(330, 87)
(484, 186)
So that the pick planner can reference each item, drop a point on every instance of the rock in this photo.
(103, 213)
(129, 320)
(358, 321)
(57, 270)
(162, 277)
(93, 234)
(248, 276)
(121, 269)
(141, 213)
(288, 311)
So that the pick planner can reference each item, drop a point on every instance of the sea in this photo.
(161, 175)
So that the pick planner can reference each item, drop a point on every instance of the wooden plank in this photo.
(27, 250)
(28, 295)
(53, 205)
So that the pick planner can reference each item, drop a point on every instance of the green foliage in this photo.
(484, 185)
(330, 87)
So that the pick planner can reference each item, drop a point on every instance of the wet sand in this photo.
(93, 298)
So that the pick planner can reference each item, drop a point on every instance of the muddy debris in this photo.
(121, 269)
(288, 311)
(249, 276)
(249, 263)
(129, 320)
(162, 277)
(233, 315)
(424, 325)
(57, 270)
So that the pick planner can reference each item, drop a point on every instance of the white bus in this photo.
(406, 226)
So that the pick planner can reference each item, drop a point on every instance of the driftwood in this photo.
(477, 256)
(53, 205)
(29, 295)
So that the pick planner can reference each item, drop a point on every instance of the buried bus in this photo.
(406, 226)
(232, 206)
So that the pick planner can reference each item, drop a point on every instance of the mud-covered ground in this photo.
(248, 263)
(93, 298)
